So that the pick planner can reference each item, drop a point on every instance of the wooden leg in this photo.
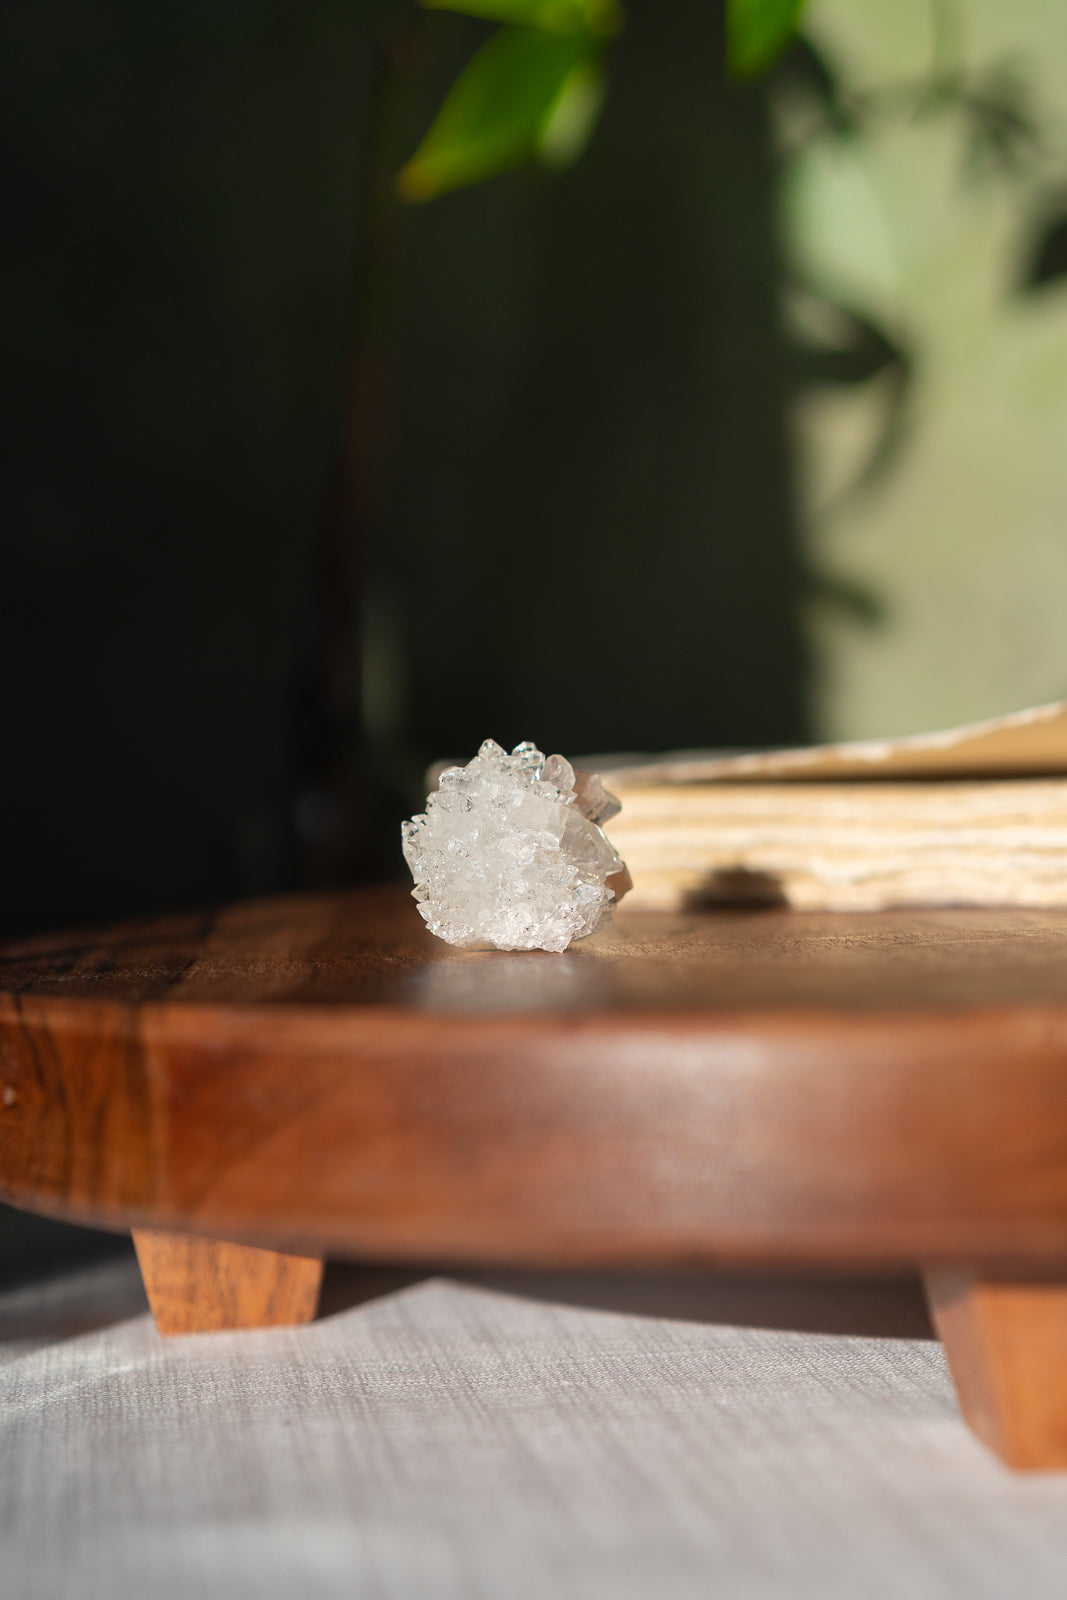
(1006, 1344)
(199, 1285)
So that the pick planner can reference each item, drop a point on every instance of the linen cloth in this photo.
(526, 1437)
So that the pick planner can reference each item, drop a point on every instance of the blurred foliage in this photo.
(527, 94)
(757, 32)
(1001, 137)
(532, 92)
(876, 353)
(534, 89)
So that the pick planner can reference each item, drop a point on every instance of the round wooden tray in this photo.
(317, 1074)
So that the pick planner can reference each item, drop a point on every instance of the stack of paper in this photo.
(971, 816)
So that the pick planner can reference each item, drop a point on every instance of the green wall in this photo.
(928, 220)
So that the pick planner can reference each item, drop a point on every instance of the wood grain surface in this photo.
(204, 1285)
(1006, 1343)
(318, 1074)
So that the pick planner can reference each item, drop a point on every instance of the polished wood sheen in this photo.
(1007, 1349)
(319, 1075)
(205, 1285)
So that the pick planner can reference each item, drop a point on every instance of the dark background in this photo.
(304, 489)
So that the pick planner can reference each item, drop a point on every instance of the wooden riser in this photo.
(206, 1285)
(1006, 1344)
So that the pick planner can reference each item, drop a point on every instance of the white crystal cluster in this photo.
(508, 854)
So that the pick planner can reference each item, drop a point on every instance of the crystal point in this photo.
(506, 854)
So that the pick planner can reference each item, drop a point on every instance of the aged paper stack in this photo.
(971, 816)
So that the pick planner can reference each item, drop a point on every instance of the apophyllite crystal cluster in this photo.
(508, 852)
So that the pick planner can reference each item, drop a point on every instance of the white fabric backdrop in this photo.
(515, 1437)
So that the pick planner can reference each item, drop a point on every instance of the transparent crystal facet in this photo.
(506, 854)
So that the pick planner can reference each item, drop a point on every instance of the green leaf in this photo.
(506, 107)
(602, 17)
(757, 31)
(573, 116)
